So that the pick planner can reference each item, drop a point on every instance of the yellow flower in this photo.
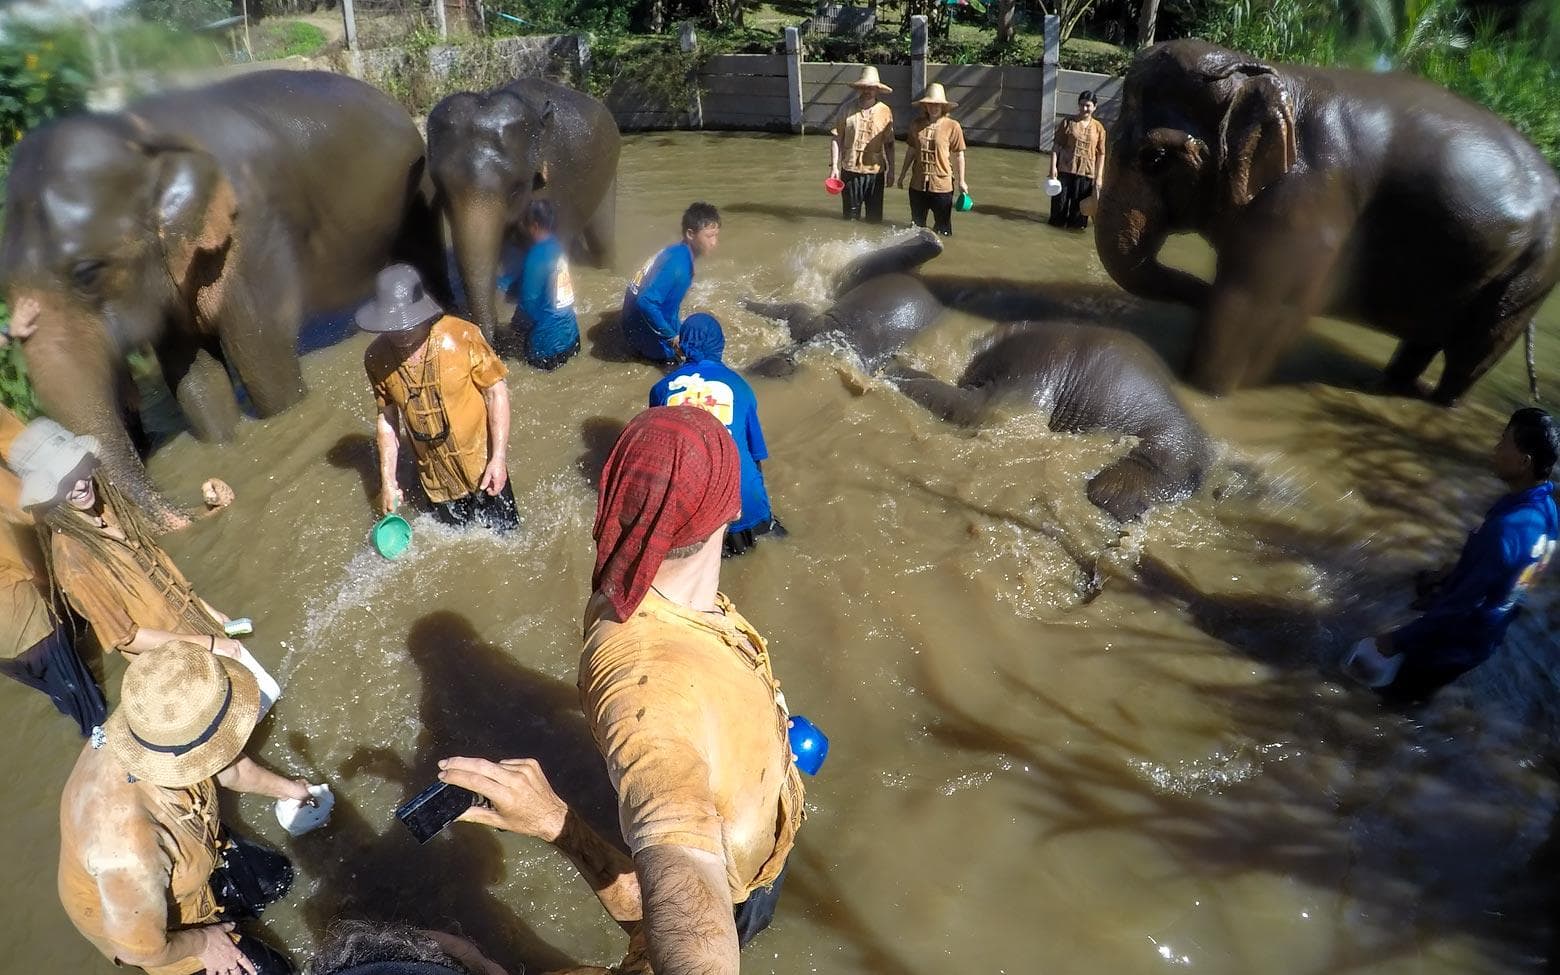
(31, 61)
(48, 45)
(45, 76)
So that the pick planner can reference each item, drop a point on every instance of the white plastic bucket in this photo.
(1365, 664)
(1053, 187)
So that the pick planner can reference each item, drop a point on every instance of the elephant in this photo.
(1083, 378)
(205, 224)
(1378, 198)
(878, 306)
(490, 152)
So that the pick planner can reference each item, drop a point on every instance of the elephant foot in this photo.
(1133, 484)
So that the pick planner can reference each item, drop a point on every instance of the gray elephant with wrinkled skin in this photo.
(491, 152)
(1082, 378)
(206, 224)
(878, 307)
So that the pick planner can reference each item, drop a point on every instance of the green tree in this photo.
(42, 74)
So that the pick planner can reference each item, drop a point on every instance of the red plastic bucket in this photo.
(834, 186)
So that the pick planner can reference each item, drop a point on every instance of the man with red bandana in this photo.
(684, 706)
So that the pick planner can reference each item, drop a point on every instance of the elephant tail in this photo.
(1529, 341)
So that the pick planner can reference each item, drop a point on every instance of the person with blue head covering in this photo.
(706, 382)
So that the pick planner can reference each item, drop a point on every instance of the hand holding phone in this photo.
(427, 813)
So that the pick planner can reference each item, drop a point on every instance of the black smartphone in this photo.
(434, 808)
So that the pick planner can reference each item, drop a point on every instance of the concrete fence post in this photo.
(793, 76)
(1051, 66)
(688, 40)
(441, 19)
(349, 23)
(917, 56)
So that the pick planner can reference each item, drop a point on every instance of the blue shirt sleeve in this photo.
(661, 297)
(1489, 563)
(658, 392)
(536, 281)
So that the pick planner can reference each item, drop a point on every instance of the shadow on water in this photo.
(1423, 824)
(606, 339)
(598, 434)
(1021, 214)
(782, 211)
(476, 700)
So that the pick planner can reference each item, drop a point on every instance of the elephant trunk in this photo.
(1131, 227)
(477, 228)
(78, 376)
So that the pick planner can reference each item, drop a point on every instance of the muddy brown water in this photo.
(1057, 746)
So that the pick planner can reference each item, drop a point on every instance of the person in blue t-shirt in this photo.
(547, 292)
(704, 381)
(652, 305)
(1468, 607)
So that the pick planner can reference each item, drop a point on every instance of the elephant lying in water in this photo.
(1082, 377)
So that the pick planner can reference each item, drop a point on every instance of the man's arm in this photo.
(248, 776)
(888, 151)
(958, 171)
(388, 442)
(689, 925)
(535, 283)
(524, 802)
(496, 475)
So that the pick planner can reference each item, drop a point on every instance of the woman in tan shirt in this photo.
(934, 161)
(147, 872)
(1078, 161)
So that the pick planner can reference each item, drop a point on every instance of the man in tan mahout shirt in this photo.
(862, 150)
(1078, 162)
(682, 700)
(436, 376)
(34, 649)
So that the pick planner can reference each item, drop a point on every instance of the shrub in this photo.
(42, 74)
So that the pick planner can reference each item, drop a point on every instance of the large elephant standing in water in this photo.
(490, 152)
(1379, 198)
(206, 224)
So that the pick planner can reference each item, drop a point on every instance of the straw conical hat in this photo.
(869, 79)
(935, 96)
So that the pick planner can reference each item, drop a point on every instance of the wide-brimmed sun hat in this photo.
(184, 715)
(50, 459)
(935, 96)
(869, 79)
(400, 302)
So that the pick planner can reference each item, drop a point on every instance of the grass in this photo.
(285, 39)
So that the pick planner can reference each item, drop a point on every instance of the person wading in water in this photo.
(436, 376)
(101, 551)
(34, 648)
(1079, 163)
(706, 382)
(652, 303)
(148, 873)
(862, 151)
(1468, 607)
(547, 293)
(683, 703)
(934, 161)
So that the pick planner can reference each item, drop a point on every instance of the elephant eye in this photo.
(85, 274)
(1155, 159)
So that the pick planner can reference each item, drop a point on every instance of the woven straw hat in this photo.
(869, 79)
(400, 302)
(935, 95)
(50, 459)
(184, 715)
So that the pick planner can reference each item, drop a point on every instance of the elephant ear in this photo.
(1256, 136)
(194, 207)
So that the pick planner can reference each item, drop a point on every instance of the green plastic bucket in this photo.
(392, 536)
(965, 203)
